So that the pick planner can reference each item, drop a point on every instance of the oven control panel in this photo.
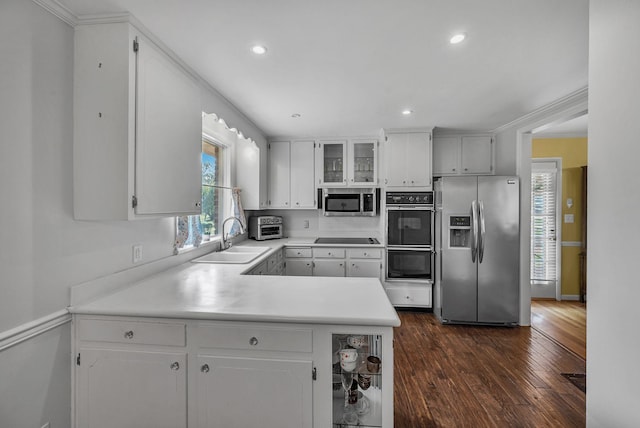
(409, 198)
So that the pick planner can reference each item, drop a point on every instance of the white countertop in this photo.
(221, 292)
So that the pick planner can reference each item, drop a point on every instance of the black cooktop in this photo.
(347, 241)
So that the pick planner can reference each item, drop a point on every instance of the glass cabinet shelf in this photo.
(357, 380)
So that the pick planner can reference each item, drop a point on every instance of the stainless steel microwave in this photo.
(350, 202)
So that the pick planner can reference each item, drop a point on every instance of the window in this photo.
(191, 231)
(543, 224)
(211, 177)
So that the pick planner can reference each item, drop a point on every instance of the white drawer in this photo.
(329, 253)
(293, 252)
(255, 338)
(133, 332)
(365, 253)
(418, 296)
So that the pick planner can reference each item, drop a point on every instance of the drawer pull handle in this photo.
(128, 334)
(204, 368)
(175, 366)
(253, 341)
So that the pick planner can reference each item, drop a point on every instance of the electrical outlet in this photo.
(306, 224)
(137, 253)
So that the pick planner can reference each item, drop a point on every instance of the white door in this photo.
(299, 267)
(476, 155)
(329, 268)
(279, 173)
(546, 179)
(131, 389)
(168, 137)
(238, 392)
(418, 159)
(364, 268)
(302, 180)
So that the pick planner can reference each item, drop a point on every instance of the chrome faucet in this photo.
(225, 243)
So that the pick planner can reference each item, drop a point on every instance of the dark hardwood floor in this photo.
(467, 376)
(564, 322)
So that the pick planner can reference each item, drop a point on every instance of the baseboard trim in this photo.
(570, 297)
(33, 329)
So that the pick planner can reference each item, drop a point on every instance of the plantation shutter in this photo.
(543, 222)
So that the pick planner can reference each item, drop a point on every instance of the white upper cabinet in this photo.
(463, 154)
(352, 162)
(137, 128)
(251, 173)
(362, 166)
(303, 190)
(407, 156)
(332, 163)
(292, 175)
(279, 174)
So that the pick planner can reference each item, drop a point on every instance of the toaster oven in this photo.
(265, 227)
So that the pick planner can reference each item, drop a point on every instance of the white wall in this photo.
(613, 341)
(43, 250)
(319, 225)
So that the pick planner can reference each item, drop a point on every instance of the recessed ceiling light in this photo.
(407, 112)
(295, 115)
(457, 38)
(259, 50)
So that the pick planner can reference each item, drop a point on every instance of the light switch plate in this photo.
(136, 255)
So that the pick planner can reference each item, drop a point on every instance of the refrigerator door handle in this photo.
(481, 235)
(474, 230)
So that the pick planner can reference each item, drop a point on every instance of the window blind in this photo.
(543, 225)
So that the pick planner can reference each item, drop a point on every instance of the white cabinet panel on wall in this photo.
(279, 174)
(463, 154)
(291, 174)
(408, 159)
(137, 127)
(303, 190)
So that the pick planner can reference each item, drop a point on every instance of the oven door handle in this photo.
(416, 249)
(474, 230)
(410, 208)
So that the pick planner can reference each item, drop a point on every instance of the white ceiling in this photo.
(349, 67)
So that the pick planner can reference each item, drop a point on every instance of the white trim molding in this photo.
(58, 10)
(32, 329)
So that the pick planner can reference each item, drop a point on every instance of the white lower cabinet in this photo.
(298, 261)
(118, 387)
(228, 374)
(237, 392)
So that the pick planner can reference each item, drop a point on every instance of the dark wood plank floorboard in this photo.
(468, 376)
(564, 322)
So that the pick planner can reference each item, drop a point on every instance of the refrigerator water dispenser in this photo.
(460, 231)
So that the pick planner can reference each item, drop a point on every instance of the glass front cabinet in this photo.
(362, 394)
(348, 163)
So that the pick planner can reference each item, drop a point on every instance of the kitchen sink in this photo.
(239, 254)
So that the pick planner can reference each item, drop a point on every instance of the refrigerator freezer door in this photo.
(458, 284)
(498, 273)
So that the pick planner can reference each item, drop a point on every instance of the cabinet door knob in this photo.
(128, 334)
(253, 341)
(204, 368)
(175, 366)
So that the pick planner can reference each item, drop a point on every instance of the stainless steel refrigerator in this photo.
(477, 250)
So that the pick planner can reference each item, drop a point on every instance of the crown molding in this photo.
(577, 98)
(58, 10)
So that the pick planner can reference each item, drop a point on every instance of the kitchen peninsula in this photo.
(203, 345)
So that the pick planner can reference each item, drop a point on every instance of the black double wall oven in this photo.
(410, 235)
